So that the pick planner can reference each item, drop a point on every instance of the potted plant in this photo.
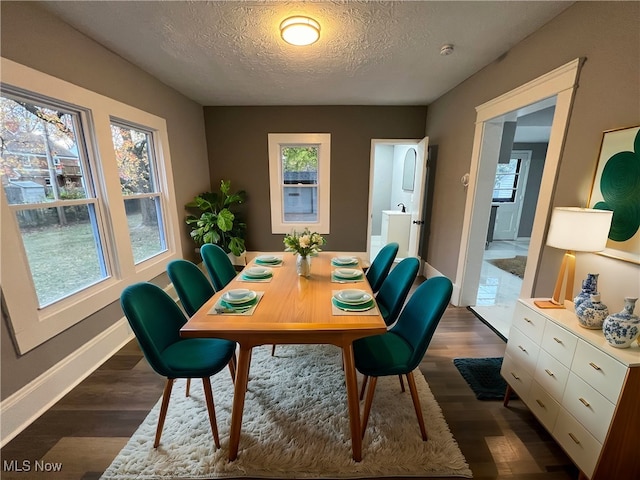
(213, 220)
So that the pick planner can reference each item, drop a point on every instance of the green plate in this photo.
(363, 307)
(239, 306)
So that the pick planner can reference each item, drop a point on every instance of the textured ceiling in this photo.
(369, 53)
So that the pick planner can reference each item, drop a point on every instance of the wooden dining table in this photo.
(292, 310)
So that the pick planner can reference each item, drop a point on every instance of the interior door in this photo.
(508, 194)
(417, 199)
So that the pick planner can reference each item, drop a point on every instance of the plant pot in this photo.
(240, 260)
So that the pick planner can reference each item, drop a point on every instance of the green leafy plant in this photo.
(213, 220)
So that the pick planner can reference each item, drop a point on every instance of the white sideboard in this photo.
(396, 227)
(585, 392)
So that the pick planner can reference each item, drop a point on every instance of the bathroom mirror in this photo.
(409, 171)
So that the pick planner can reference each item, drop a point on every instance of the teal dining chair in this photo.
(193, 289)
(156, 320)
(220, 269)
(395, 288)
(400, 350)
(381, 265)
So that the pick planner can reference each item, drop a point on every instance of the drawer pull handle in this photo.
(557, 340)
(594, 365)
(522, 348)
(549, 372)
(584, 402)
(527, 320)
(515, 376)
(541, 404)
(574, 438)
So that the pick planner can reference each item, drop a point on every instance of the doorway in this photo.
(396, 192)
(555, 89)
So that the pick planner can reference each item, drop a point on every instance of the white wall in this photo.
(382, 186)
(398, 195)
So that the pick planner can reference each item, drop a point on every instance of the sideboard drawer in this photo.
(516, 376)
(551, 375)
(589, 407)
(523, 350)
(531, 323)
(543, 405)
(599, 370)
(579, 444)
(559, 342)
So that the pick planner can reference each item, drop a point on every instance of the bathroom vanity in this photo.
(396, 227)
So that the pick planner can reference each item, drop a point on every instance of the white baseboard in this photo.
(23, 407)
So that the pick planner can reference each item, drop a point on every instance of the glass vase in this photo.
(303, 265)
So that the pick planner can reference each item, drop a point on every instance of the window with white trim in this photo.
(299, 174)
(142, 201)
(87, 201)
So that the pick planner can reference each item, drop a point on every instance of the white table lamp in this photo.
(574, 229)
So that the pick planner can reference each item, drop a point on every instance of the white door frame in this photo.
(560, 83)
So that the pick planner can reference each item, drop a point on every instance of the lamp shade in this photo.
(579, 229)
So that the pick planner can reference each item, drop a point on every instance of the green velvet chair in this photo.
(156, 320)
(221, 270)
(191, 284)
(381, 265)
(395, 288)
(193, 289)
(400, 350)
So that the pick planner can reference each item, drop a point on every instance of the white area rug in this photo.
(295, 425)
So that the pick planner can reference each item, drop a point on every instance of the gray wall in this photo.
(237, 145)
(608, 96)
(34, 38)
(536, 165)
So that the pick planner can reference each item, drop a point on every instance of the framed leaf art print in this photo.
(616, 187)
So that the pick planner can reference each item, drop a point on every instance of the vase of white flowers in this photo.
(303, 244)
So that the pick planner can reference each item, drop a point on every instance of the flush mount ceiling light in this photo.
(300, 30)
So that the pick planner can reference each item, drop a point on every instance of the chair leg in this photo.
(364, 386)
(188, 387)
(273, 350)
(208, 394)
(401, 383)
(367, 404)
(163, 410)
(416, 404)
(232, 367)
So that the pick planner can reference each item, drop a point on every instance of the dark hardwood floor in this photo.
(86, 429)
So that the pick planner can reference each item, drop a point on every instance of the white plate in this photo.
(345, 260)
(268, 258)
(352, 297)
(258, 272)
(347, 272)
(240, 295)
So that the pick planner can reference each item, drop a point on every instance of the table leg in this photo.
(242, 377)
(352, 401)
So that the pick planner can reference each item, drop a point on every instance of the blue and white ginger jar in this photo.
(589, 286)
(591, 313)
(621, 329)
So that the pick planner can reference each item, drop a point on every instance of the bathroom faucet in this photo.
(404, 209)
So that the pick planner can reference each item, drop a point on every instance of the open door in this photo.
(417, 199)
(397, 178)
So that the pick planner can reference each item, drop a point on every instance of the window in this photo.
(87, 202)
(57, 215)
(299, 166)
(507, 181)
(136, 169)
